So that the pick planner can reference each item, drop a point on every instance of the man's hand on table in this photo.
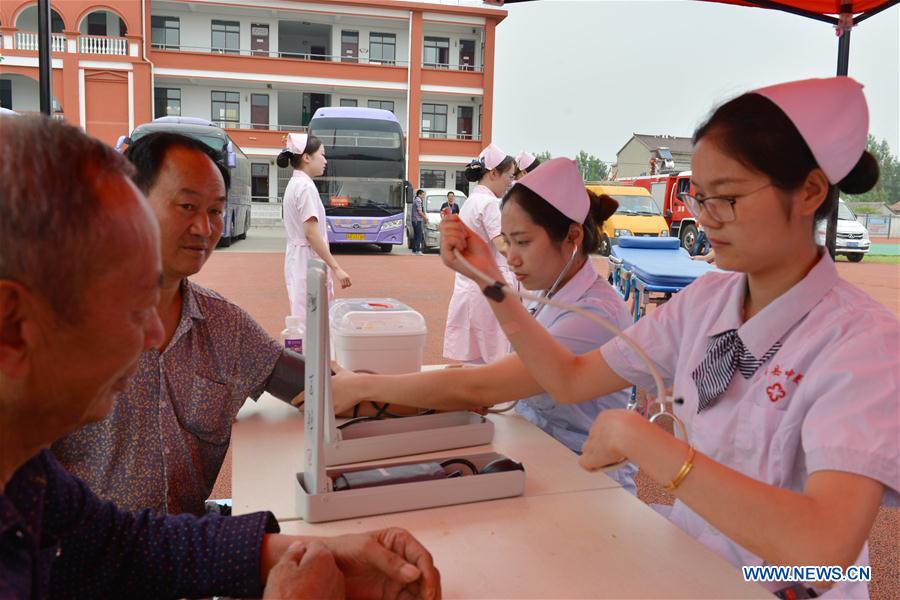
(305, 570)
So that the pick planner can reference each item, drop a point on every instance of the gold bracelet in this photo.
(685, 469)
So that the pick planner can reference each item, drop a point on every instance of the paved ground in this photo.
(251, 274)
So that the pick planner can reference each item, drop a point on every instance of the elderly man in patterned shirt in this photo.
(80, 276)
(164, 442)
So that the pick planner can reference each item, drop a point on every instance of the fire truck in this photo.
(665, 189)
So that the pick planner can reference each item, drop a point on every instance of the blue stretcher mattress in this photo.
(659, 262)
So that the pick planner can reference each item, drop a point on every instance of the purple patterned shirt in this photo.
(162, 445)
(57, 539)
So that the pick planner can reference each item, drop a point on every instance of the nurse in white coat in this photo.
(472, 335)
(787, 373)
(304, 221)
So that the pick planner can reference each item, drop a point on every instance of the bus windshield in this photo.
(369, 196)
(636, 205)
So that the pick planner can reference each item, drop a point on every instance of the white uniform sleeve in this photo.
(307, 203)
(491, 219)
(659, 334)
(854, 421)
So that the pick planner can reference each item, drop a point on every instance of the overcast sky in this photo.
(574, 75)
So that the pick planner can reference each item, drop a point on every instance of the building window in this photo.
(165, 32)
(349, 46)
(96, 23)
(6, 93)
(432, 178)
(382, 48)
(166, 102)
(352, 102)
(226, 108)
(259, 182)
(434, 120)
(226, 36)
(382, 104)
(437, 52)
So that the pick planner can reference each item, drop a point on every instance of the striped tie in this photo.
(725, 353)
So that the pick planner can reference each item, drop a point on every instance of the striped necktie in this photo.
(725, 353)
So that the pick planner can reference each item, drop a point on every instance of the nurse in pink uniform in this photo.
(525, 164)
(787, 374)
(304, 220)
(472, 334)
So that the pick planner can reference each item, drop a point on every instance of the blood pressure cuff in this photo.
(288, 378)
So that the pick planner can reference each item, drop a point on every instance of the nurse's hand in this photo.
(456, 236)
(341, 275)
(601, 449)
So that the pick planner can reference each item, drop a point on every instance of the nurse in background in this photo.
(787, 373)
(525, 164)
(304, 220)
(472, 334)
(550, 224)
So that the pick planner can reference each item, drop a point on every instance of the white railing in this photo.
(91, 44)
(28, 40)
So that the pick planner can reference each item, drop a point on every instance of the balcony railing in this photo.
(261, 126)
(28, 40)
(463, 66)
(441, 135)
(94, 44)
(361, 60)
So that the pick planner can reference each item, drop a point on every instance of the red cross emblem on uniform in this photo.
(775, 392)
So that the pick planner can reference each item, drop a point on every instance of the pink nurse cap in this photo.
(524, 160)
(492, 156)
(558, 182)
(296, 142)
(832, 117)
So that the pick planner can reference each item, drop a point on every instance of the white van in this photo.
(852, 237)
(434, 198)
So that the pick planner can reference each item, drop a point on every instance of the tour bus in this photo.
(364, 188)
(237, 212)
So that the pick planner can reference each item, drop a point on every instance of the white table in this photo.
(572, 534)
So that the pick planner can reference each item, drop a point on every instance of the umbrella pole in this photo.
(843, 63)
(44, 65)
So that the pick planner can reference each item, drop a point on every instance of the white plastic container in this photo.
(381, 335)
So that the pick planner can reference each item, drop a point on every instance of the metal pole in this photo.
(44, 64)
(843, 63)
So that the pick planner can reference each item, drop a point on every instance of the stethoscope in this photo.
(551, 291)
(664, 406)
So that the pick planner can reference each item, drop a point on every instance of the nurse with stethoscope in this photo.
(304, 221)
(472, 334)
(786, 374)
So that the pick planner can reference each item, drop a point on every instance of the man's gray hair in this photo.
(52, 216)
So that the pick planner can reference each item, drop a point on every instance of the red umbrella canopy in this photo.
(819, 8)
(822, 7)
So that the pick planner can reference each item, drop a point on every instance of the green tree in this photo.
(888, 189)
(591, 167)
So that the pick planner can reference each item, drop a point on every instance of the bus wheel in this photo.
(688, 236)
(224, 242)
(386, 247)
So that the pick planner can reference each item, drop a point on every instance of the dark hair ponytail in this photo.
(862, 177)
(286, 157)
(475, 170)
(602, 207)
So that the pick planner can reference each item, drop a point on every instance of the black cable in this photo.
(461, 461)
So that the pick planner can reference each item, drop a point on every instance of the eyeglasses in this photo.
(719, 208)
